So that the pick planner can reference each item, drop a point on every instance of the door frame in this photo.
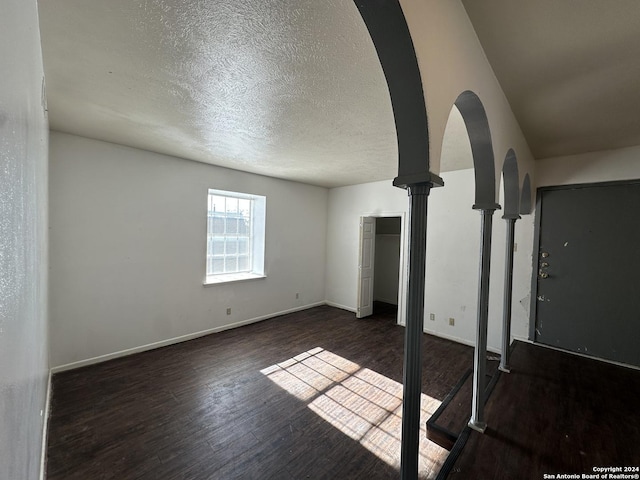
(533, 309)
(402, 271)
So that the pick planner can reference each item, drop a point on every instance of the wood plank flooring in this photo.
(555, 413)
(314, 394)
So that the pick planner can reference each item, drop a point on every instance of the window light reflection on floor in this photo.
(363, 404)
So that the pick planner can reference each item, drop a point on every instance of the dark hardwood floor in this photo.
(315, 394)
(555, 413)
(450, 420)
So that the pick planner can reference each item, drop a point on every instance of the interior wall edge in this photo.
(24, 349)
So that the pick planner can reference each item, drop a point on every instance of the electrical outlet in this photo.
(452, 321)
(432, 317)
(229, 311)
(297, 296)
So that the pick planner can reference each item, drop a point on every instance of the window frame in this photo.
(256, 239)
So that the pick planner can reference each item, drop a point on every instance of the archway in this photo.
(511, 186)
(475, 118)
(510, 181)
(391, 38)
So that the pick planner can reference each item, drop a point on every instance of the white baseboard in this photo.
(463, 341)
(174, 340)
(342, 307)
(45, 429)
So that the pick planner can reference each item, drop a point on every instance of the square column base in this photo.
(478, 426)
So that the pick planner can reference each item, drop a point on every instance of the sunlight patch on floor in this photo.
(360, 402)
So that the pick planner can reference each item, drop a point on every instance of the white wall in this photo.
(346, 206)
(608, 165)
(128, 243)
(453, 249)
(23, 243)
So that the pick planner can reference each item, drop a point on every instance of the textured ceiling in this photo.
(570, 69)
(290, 89)
(293, 88)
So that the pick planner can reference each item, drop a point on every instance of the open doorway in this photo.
(380, 266)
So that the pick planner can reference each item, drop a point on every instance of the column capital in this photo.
(418, 189)
(428, 178)
(487, 206)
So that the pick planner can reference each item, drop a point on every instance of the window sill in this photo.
(231, 277)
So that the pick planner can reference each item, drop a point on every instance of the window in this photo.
(235, 236)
